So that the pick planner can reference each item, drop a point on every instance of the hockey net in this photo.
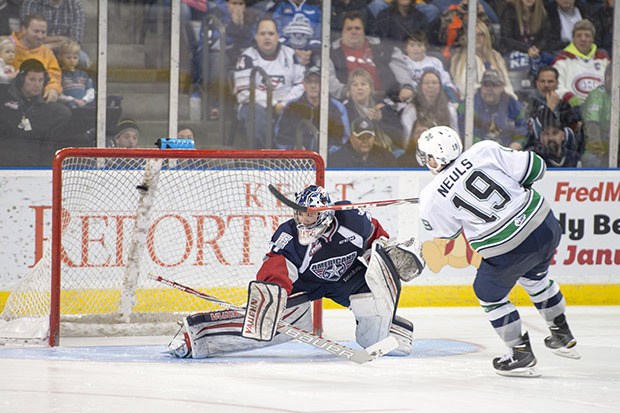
(201, 218)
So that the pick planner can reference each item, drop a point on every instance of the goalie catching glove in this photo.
(406, 256)
(265, 308)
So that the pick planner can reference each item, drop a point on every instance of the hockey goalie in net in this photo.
(343, 255)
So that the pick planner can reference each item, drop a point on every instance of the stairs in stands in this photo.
(138, 55)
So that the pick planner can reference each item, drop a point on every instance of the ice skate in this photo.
(519, 362)
(561, 340)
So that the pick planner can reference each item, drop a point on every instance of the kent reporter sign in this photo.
(586, 203)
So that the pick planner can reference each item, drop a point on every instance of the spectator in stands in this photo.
(409, 66)
(552, 146)
(185, 132)
(65, 21)
(126, 134)
(29, 45)
(355, 50)
(430, 11)
(361, 103)
(307, 108)
(398, 21)
(563, 15)
(596, 112)
(28, 125)
(285, 11)
(409, 158)
(360, 151)
(486, 58)
(581, 65)
(546, 97)
(299, 34)
(498, 116)
(9, 11)
(603, 20)
(286, 77)
(7, 57)
(192, 16)
(524, 28)
(77, 87)
(340, 8)
(451, 28)
(431, 102)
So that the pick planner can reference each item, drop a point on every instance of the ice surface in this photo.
(449, 371)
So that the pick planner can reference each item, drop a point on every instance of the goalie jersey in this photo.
(332, 259)
(486, 193)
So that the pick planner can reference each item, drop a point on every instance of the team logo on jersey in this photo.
(334, 268)
(520, 220)
(281, 242)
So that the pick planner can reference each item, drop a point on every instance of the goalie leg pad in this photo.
(372, 317)
(383, 281)
(219, 332)
(266, 304)
(402, 330)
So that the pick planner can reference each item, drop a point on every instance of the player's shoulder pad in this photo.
(283, 236)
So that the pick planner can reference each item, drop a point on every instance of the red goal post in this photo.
(203, 218)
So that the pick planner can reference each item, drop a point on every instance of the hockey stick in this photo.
(357, 356)
(339, 207)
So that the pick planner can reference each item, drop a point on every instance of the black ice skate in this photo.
(561, 340)
(519, 362)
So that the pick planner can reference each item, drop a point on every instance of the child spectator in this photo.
(409, 66)
(7, 56)
(77, 86)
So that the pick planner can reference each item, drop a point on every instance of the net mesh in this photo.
(205, 223)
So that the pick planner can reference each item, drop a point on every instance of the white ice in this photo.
(449, 371)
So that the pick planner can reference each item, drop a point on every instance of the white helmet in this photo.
(440, 142)
(313, 196)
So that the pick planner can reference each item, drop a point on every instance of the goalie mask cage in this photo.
(199, 217)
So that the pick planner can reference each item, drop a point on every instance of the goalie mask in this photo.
(440, 142)
(311, 225)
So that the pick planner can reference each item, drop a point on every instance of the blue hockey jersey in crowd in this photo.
(329, 266)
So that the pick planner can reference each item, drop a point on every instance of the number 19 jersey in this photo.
(486, 193)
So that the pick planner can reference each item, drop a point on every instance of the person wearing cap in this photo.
(31, 128)
(498, 116)
(285, 12)
(553, 143)
(126, 134)
(360, 151)
(298, 35)
(307, 108)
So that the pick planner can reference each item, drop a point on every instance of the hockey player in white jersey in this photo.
(486, 193)
(343, 255)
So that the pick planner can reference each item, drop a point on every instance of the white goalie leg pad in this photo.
(402, 330)
(383, 281)
(373, 319)
(407, 258)
(265, 308)
(219, 332)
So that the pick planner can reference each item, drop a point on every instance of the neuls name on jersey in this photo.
(456, 173)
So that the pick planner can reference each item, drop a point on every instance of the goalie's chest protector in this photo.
(333, 257)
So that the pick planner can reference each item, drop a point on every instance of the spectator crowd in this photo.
(542, 75)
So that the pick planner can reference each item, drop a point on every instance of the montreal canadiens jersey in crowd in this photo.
(486, 194)
(329, 259)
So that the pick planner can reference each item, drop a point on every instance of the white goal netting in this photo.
(201, 218)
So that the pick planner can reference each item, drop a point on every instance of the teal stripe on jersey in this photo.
(536, 168)
(508, 230)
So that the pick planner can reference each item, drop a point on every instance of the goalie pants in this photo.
(528, 264)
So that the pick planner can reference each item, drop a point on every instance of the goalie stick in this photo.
(357, 356)
(357, 205)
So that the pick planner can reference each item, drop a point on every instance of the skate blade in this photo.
(570, 353)
(520, 372)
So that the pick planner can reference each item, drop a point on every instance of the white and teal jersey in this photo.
(486, 194)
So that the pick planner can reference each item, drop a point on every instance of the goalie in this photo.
(343, 255)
